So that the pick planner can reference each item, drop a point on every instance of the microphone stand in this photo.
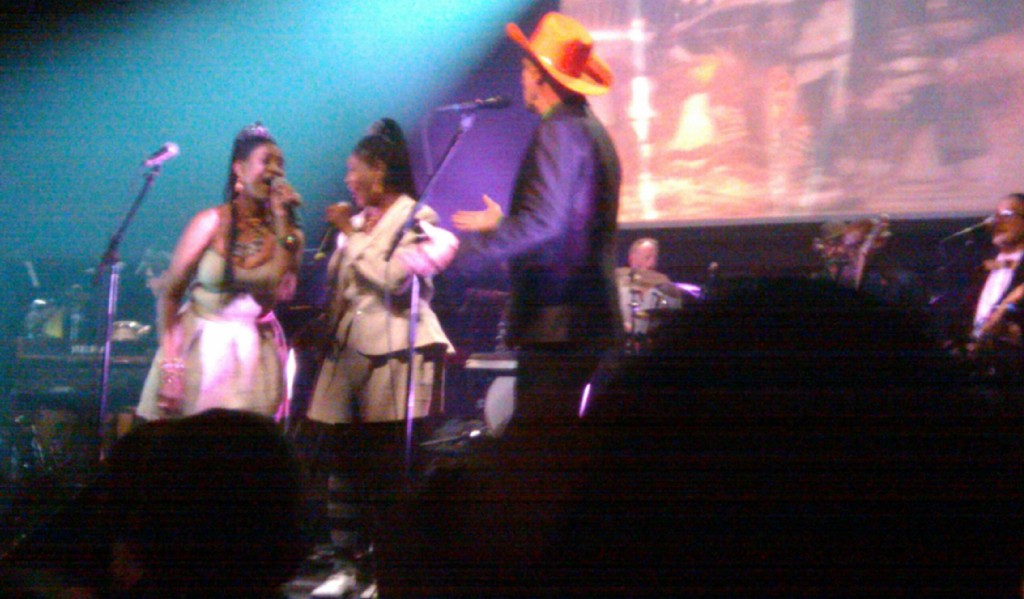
(111, 263)
(465, 124)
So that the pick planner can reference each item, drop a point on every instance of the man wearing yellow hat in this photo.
(558, 236)
(494, 525)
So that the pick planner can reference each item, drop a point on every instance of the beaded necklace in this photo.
(258, 231)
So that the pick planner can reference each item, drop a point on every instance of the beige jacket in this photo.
(360, 276)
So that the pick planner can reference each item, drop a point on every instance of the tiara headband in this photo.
(255, 131)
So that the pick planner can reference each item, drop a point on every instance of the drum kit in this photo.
(42, 424)
(647, 298)
(63, 315)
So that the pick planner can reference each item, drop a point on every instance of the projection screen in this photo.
(789, 110)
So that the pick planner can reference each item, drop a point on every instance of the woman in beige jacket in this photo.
(361, 392)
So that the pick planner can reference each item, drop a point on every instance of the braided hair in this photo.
(248, 139)
(384, 143)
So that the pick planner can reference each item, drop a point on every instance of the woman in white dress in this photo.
(220, 343)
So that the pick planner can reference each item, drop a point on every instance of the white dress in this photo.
(233, 348)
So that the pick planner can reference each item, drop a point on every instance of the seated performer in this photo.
(847, 247)
(641, 286)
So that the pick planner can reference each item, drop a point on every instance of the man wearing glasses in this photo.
(999, 312)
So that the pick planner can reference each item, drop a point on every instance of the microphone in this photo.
(280, 183)
(321, 250)
(166, 152)
(971, 229)
(478, 104)
(710, 279)
(357, 221)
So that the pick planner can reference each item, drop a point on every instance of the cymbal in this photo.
(640, 279)
(669, 289)
(656, 313)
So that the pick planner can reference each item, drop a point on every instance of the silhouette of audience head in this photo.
(203, 506)
(794, 438)
(786, 438)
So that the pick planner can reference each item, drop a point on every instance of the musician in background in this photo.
(636, 281)
(996, 327)
(854, 256)
(642, 260)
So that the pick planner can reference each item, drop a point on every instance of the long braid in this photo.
(229, 262)
(248, 139)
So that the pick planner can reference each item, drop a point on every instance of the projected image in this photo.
(789, 109)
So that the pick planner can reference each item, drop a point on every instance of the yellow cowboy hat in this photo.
(564, 49)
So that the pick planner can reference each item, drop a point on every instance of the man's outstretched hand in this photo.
(479, 221)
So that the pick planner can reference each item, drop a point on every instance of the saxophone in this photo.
(878, 232)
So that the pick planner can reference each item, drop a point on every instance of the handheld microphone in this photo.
(278, 183)
(478, 104)
(321, 250)
(166, 152)
(357, 221)
(971, 229)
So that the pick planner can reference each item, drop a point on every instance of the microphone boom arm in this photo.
(465, 124)
(971, 229)
(479, 104)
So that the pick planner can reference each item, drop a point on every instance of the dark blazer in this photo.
(559, 234)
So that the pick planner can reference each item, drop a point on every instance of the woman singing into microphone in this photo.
(369, 303)
(359, 401)
(220, 344)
